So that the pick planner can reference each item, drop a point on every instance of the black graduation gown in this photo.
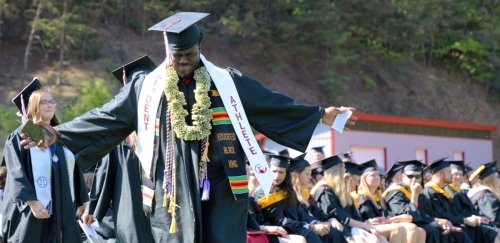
(487, 204)
(293, 217)
(398, 204)
(222, 218)
(368, 210)
(19, 224)
(328, 206)
(117, 185)
(255, 216)
(463, 206)
(440, 206)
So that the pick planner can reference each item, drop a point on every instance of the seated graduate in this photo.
(407, 198)
(281, 208)
(334, 201)
(257, 233)
(44, 187)
(300, 171)
(118, 182)
(316, 155)
(374, 210)
(485, 195)
(463, 205)
(440, 202)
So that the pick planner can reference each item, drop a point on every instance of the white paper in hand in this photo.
(340, 121)
(88, 230)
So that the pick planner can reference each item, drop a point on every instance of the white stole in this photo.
(147, 106)
(41, 163)
(149, 98)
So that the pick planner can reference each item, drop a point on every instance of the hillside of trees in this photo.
(417, 58)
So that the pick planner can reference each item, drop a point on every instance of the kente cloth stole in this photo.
(438, 189)
(225, 142)
(400, 188)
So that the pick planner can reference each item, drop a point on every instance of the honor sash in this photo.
(229, 95)
(149, 100)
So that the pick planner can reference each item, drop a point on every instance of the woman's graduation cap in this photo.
(21, 100)
(181, 30)
(351, 168)
(368, 166)
(298, 163)
(458, 164)
(484, 170)
(143, 63)
(330, 162)
(279, 161)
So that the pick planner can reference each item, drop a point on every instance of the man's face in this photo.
(317, 156)
(186, 61)
(411, 177)
(279, 175)
(457, 176)
(446, 174)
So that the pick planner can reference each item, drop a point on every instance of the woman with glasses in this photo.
(44, 187)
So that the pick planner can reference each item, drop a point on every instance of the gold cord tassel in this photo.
(173, 203)
(173, 224)
(164, 203)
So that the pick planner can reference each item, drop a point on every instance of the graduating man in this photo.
(406, 198)
(193, 122)
(441, 204)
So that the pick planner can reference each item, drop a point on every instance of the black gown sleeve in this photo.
(81, 192)
(101, 192)
(19, 173)
(94, 134)
(488, 206)
(277, 116)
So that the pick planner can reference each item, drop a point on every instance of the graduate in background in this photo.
(44, 187)
(373, 209)
(118, 181)
(485, 196)
(334, 201)
(463, 205)
(406, 198)
(282, 208)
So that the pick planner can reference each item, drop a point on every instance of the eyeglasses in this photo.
(46, 102)
(414, 176)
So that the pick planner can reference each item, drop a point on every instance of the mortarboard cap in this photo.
(318, 149)
(381, 171)
(182, 32)
(412, 165)
(330, 162)
(368, 166)
(284, 152)
(351, 168)
(395, 168)
(298, 163)
(144, 63)
(33, 86)
(484, 170)
(468, 168)
(279, 161)
(437, 165)
(457, 164)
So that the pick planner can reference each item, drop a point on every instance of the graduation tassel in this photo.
(173, 225)
(205, 195)
(164, 203)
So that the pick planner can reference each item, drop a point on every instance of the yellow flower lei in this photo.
(201, 113)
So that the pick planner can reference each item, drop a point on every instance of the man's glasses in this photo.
(46, 102)
(414, 176)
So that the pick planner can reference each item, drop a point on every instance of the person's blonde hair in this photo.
(365, 189)
(298, 187)
(334, 178)
(34, 108)
(492, 183)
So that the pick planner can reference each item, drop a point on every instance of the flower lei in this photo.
(201, 113)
